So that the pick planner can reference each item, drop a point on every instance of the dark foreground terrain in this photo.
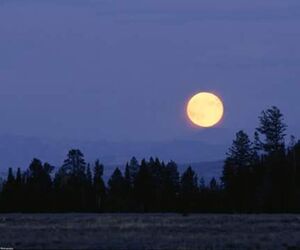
(153, 231)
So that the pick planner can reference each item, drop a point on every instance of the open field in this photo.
(150, 231)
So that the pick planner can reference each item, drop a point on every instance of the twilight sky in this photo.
(123, 70)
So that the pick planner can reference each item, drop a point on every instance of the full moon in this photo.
(205, 109)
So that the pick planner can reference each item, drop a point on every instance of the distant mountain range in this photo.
(18, 151)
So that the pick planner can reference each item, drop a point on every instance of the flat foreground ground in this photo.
(150, 231)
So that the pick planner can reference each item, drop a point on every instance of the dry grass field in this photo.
(150, 231)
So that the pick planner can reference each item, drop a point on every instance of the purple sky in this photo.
(120, 70)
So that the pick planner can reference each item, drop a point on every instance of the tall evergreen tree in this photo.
(293, 180)
(99, 186)
(144, 188)
(272, 128)
(241, 153)
(89, 194)
(170, 187)
(89, 175)
(157, 184)
(70, 182)
(19, 177)
(131, 171)
(188, 191)
(237, 171)
(116, 185)
(39, 186)
(19, 191)
(10, 181)
(75, 164)
(8, 197)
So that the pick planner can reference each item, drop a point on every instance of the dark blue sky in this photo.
(120, 70)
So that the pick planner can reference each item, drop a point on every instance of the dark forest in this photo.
(259, 176)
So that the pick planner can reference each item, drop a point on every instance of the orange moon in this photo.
(205, 109)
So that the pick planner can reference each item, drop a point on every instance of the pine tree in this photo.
(144, 188)
(116, 185)
(19, 191)
(70, 182)
(240, 155)
(75, 164)
(19, 177)
(8, 193)
(237, 171)
(89, 175)
(39, 185)
(89, 195)
(272, 128)
(188, 191)
(131, 171)
(156, 175)
(170, 186)
(99, 186)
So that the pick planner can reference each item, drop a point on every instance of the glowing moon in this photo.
(205, 109)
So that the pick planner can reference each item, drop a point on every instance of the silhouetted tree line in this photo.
(262, 175)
